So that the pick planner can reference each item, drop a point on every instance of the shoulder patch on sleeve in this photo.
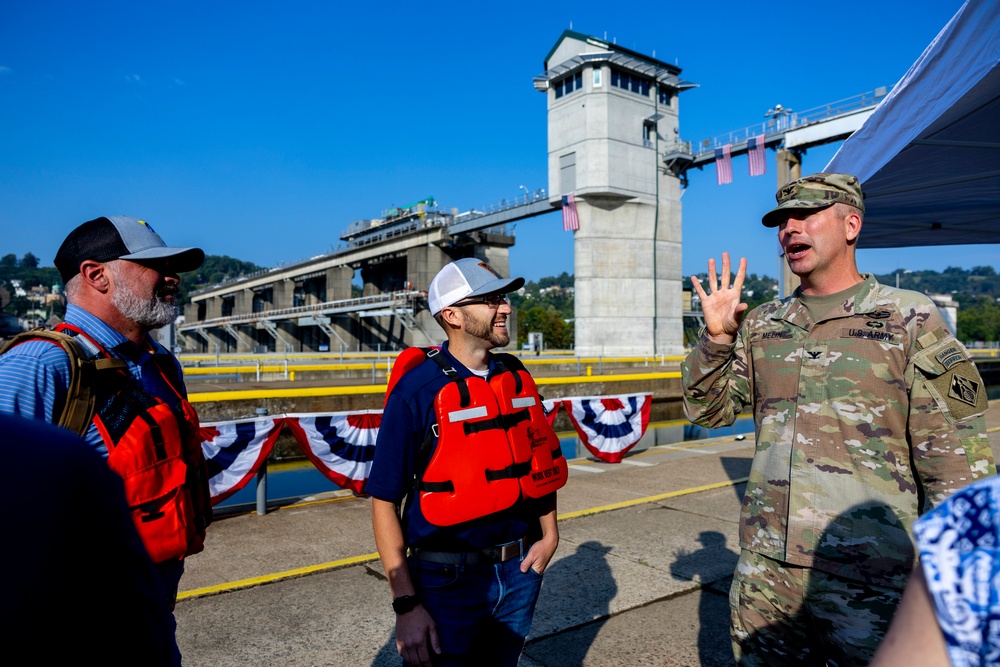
(963, 391)
(927, 340)
(950, 372)
(950, 356)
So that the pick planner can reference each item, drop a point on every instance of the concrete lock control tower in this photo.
(613, 113)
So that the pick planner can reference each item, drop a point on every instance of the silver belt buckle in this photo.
(511, 549)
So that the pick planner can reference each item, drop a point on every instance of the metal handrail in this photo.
(358, 303)
(783, 123)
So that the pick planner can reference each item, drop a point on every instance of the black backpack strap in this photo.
(86, 364)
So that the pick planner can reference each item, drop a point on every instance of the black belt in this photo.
(487, 556)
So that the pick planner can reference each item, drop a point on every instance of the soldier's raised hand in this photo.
(721, 306)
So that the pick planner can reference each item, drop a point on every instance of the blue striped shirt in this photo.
(34, 376)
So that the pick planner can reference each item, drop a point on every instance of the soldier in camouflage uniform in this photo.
(867, 411)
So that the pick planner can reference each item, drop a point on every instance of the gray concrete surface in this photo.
(643, 584)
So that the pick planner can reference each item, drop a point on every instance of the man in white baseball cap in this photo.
(466, 278)
(465, 561)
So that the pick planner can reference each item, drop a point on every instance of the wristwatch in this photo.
(405, 603)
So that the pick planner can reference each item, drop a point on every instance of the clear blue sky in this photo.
(260, 130)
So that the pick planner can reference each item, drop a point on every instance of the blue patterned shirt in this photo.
(959, 544)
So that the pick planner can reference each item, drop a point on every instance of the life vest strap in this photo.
(463, 389)
(437, 487)
(514, 471)
(518, 385)
(505, 422)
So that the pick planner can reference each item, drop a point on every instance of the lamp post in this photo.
(789, 165)
(779, 115)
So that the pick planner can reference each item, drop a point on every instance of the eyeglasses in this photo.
(492, 300)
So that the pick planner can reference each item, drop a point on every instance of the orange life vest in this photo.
(494, 445)
(157, 453)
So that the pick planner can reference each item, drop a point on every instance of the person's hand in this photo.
(539, 555)
(722, 307)
(416, 637)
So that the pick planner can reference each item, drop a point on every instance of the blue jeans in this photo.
(482, 612)
(170, 575)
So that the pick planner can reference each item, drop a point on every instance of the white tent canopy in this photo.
(929, 156)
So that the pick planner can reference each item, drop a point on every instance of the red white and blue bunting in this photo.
(235, 451)
(609, 426)
(550, 406)
(342, 444)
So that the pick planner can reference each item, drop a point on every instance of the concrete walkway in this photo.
(641, 576)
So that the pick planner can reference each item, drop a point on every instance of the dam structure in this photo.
(309, 306)
(616, 165)
(608, 111)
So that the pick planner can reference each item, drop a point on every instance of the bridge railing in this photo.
(789, 120)
(503, 205)
(342, 305)
(379, 235)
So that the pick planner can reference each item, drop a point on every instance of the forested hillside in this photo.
(547, 305)
(216, 269)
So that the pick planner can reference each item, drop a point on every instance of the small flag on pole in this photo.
(724, 164)
(571, 221)
(755, 151)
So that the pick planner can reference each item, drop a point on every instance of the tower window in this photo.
(569, 84)
(630, 82)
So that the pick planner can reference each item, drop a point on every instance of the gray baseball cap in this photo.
(120, 237)
(817, 191)
(464, 278)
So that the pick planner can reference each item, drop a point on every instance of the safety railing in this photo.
(782, 121)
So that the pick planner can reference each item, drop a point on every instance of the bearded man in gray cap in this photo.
(465, 443)
(103, 376)
(868, 412)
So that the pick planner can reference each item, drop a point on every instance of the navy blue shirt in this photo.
(72, 549)
(406, 422)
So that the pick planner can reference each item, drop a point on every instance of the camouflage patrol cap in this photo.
(816, 191)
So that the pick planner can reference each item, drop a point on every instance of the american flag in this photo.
(724, 164)
(755, 151)
(571, 221)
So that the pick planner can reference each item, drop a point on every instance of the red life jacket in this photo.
(156, 450)
(494, 444)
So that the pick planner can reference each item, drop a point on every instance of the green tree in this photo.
(29, 261)
(18, 305)
(8, 264)
(979, 321)
(557, 332)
